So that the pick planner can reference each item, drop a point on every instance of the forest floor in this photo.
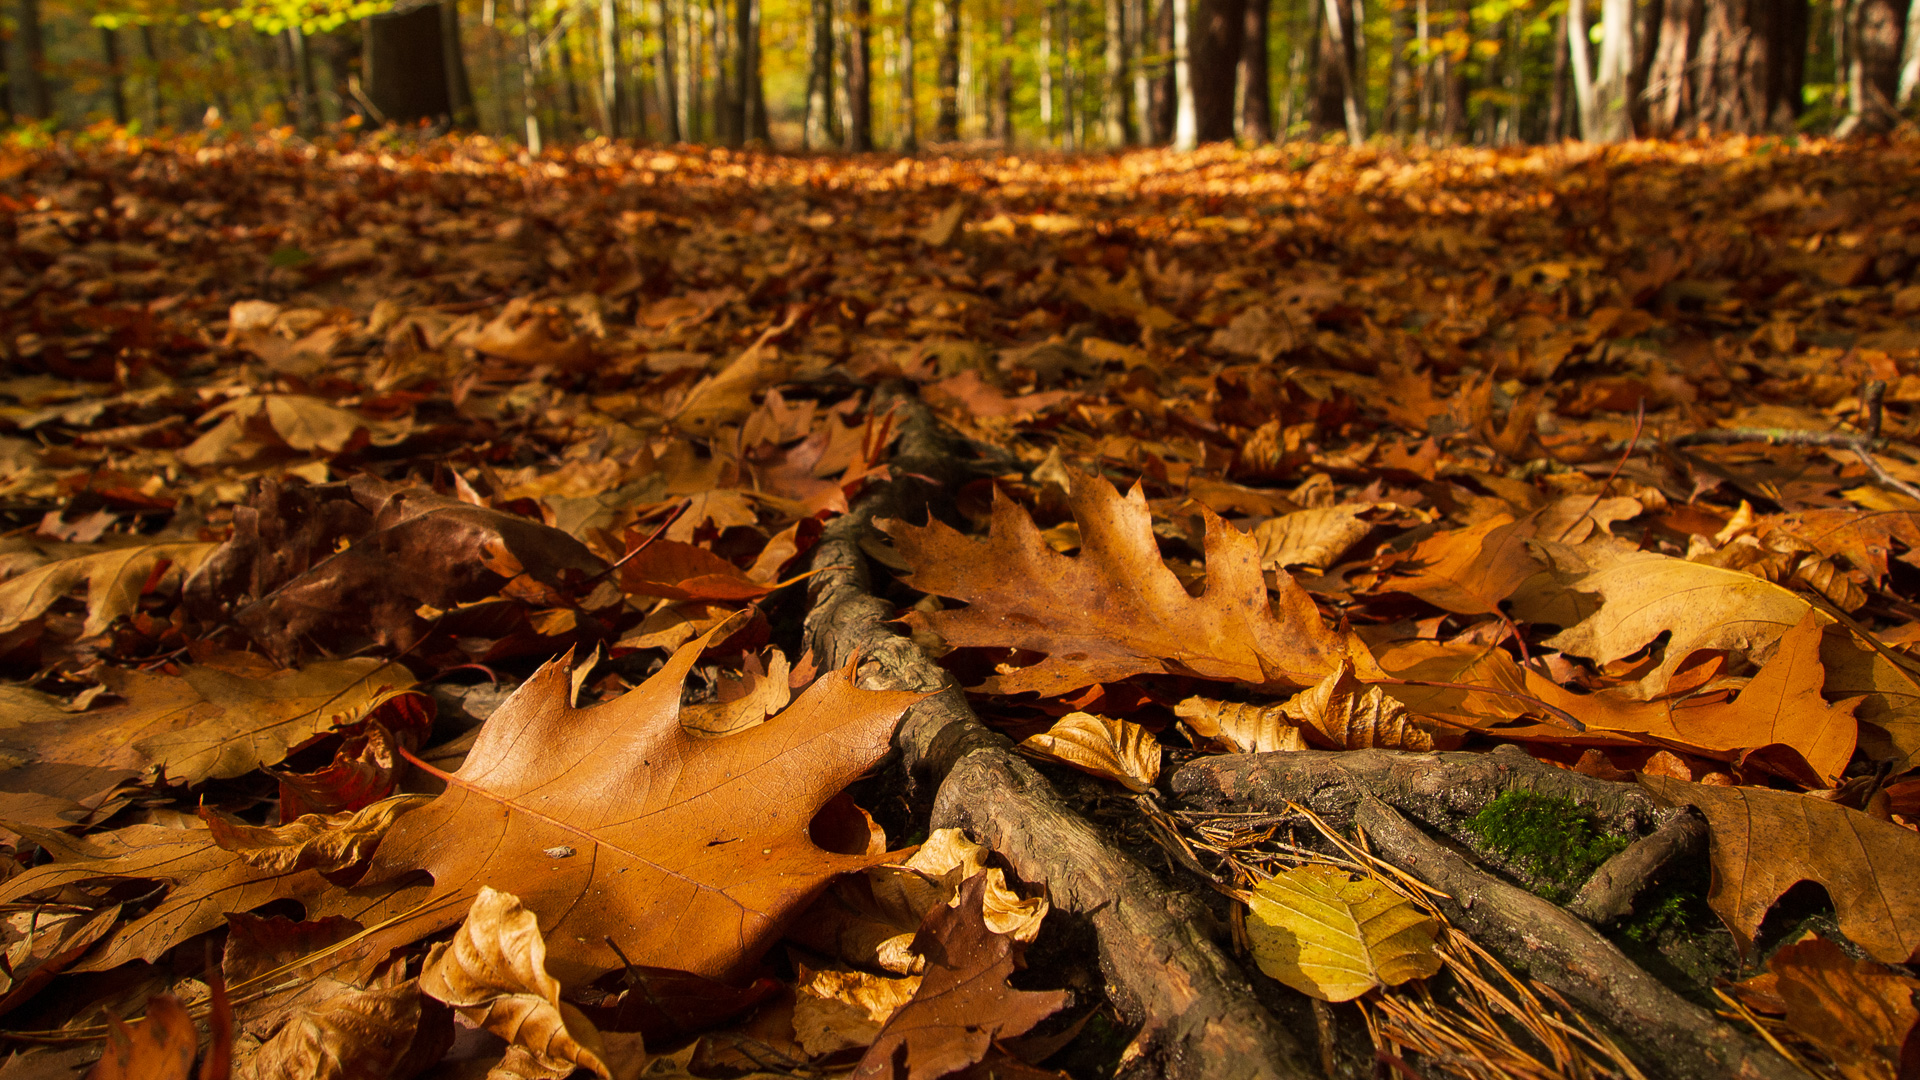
(681, 612)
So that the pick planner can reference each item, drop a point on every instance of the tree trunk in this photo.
(1909, 89)
(1114, 113)
(1337, 93)
(406, 66)
(746, 69)
(1611, 84)
(1423, 77)
(1399, 77)
(1786, 84)
(909, 120)
(1003, 85)
(1216, 44)
(859, 78)
(1878, 36)
(34, 99)
(454, 58)
(1583, 89)
(150, 54)
(116, 79)
(570, 85)
(1136, 16)
(671, 115)
(946, 126)
(612, 95)
(1045, 61)
(1557, 99)
(817, 131)
(1186, 121)
(1670, 79)
(1163, 99)
(1458, 85)
(1256, 100)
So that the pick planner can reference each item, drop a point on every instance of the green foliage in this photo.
(1557, 841)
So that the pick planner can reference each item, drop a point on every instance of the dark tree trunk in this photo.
(33, 99)
(1458, 85)
(946, 127)
(909, 113)
(406, 66)
(860, 78)
(454, 57)
(663, 68)
(1399, 112)
(1166, 101)
(1557, 101)
(818, 131)
(1003, 86)
(613, 103)
(1786, 83)
(746, 68)
(1114, 113)
(306, 96)
(1647, 21)
(1219, 32)
(151, 55)
(1256, 109)
(116, 79)
(1329, 111)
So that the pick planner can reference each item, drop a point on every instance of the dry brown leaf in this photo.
(113, 578)
(615, 821)
(840, 1010)
(1116, 610)
(1349, 715)
(386, 1033)
(494, 973)
(743, 702)
(160, 1047)
(1765, 841)
(1245, 728)
(1861, 1015)
(314, 842)
(1118, 750)
(1315, 538)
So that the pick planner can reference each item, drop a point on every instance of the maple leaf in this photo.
(1860, 1014)
(688, 852)
(963, 1003)
(1116, 610)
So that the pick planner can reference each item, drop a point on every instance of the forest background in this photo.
(1071, 74)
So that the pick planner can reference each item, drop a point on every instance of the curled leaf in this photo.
(1116, 750)
(1245, 728)
(314, 842)
(1348, 715)
(494, 973)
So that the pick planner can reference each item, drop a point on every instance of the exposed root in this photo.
(1613, 888)
(1197, 1012)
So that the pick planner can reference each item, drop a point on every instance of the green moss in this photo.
(1555, 841)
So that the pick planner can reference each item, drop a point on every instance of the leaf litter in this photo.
(1606, 456)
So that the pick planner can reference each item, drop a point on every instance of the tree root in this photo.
(1619, 881)
(1672, 1036)
(1197, 1013)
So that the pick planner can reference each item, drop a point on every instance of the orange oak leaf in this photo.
(615, 822)
(1116, 610)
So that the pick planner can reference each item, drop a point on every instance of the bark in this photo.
(1217, 43)
(859, 78)
(1045, 59)
(1612, 84)
(406, 66)
(1186, 121)
(31, 94)
(1336, 90)
(1164, 101)
(1003, 83)
(305, 98)
(1878, 37)
(1399, 112)
(672, 115)
(150, 53)
(454, 58)
(818, 128)
(116, 79)
(1114, 114)
(612, 95)
(909, 120)
(946, 126)
(1667, 1034)
(1909, 89)
(1613, 889)
(529, 76)
(1584, 97)
(746, 63)
(1196, 1012)
(1458, 85)
(1142, 93)
(1256, 94)
(571, 85)
(1557, 101)
(1671, 84)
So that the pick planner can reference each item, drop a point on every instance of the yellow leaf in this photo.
(113, 579)
(1334, 938)
(1247, 728)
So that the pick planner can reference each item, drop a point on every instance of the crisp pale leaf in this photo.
(1334, 938)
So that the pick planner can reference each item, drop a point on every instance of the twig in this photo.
(1613, 888)
(1872, 397)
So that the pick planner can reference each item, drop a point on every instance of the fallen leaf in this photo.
(1316, 538)
(494, 973)
(1116, 610)
(387, 1033)
(840, 1010)
(1117, 750)
(325, 843)
(1334, 938)
(161, 1046)
(1243, 727)
(114, 580)
(688, 852)
(1764, 842)
(1861, 1015)
(964, 1002)
(1348, 715)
